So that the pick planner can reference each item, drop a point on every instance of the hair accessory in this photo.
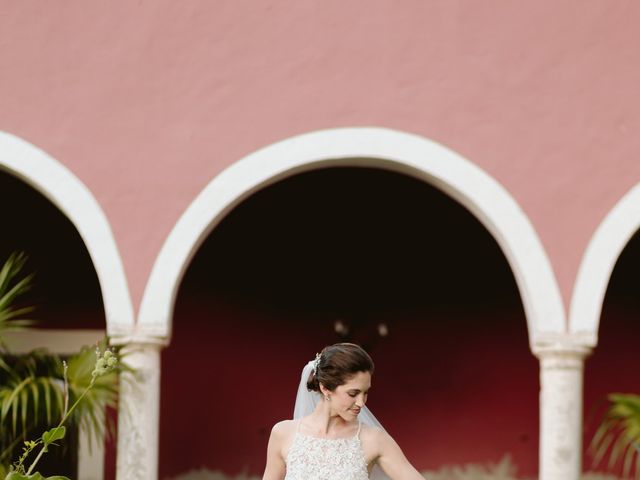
(316, 363)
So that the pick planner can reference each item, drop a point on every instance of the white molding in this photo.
(401, 152)
(598, 262)
(73, 198)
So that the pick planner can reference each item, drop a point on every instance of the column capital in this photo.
(138, 339)
(561, 352)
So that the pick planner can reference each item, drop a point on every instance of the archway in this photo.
(79, 292)
(75, 201)
(369, 147)
(345, 254)
(402, 153)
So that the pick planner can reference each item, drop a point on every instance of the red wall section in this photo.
(450, 388)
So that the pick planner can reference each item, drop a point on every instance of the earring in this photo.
(327, 398)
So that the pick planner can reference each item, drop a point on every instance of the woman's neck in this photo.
(325, 422)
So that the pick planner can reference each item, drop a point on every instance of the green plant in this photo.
(32, 386)
(105, 363)
(12, 286)
(618, 436)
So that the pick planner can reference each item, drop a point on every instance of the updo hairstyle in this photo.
(337, 364)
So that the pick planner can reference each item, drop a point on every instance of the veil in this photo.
(306, 402)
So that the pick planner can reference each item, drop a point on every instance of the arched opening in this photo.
(373, 250)
(370, 147)
(66, 294)
(68, 234)
(611, 368)
(75, 201)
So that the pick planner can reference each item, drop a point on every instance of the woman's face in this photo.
(350, 397)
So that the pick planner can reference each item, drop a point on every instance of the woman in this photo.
(333, 436)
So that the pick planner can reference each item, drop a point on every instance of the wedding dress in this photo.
(313, 458)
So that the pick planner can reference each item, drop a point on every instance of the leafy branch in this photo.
(105, 363)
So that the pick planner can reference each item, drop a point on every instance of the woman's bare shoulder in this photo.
(373, 435)
(372, 431)
(284, 428)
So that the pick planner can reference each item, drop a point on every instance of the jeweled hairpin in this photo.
(316, 363)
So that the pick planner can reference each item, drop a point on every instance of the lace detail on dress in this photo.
(312, 458)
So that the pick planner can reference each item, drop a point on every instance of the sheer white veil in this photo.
(306, 402)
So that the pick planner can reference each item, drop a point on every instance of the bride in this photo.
(333, 436)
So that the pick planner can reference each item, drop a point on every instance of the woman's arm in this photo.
(393, 461)
(275, 469)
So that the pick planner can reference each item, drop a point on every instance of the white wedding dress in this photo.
(313, 458)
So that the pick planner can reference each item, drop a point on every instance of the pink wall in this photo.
(147, 102)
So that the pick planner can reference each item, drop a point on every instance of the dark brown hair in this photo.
(337, 364)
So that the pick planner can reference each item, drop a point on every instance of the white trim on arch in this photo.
(73, 198)
(367, 147)
(598, 262)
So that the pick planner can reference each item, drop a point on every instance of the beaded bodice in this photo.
(312, 458)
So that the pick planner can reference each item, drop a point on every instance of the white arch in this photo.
(599, 259)
(73, 198)
(367, 147)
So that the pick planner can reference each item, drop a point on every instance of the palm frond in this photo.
(18, 402)
(13, 284)
(32, 393)
(618, 435)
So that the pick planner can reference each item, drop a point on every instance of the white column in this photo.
(561, 374)
(139, 411)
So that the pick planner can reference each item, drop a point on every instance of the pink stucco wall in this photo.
(147, 101)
